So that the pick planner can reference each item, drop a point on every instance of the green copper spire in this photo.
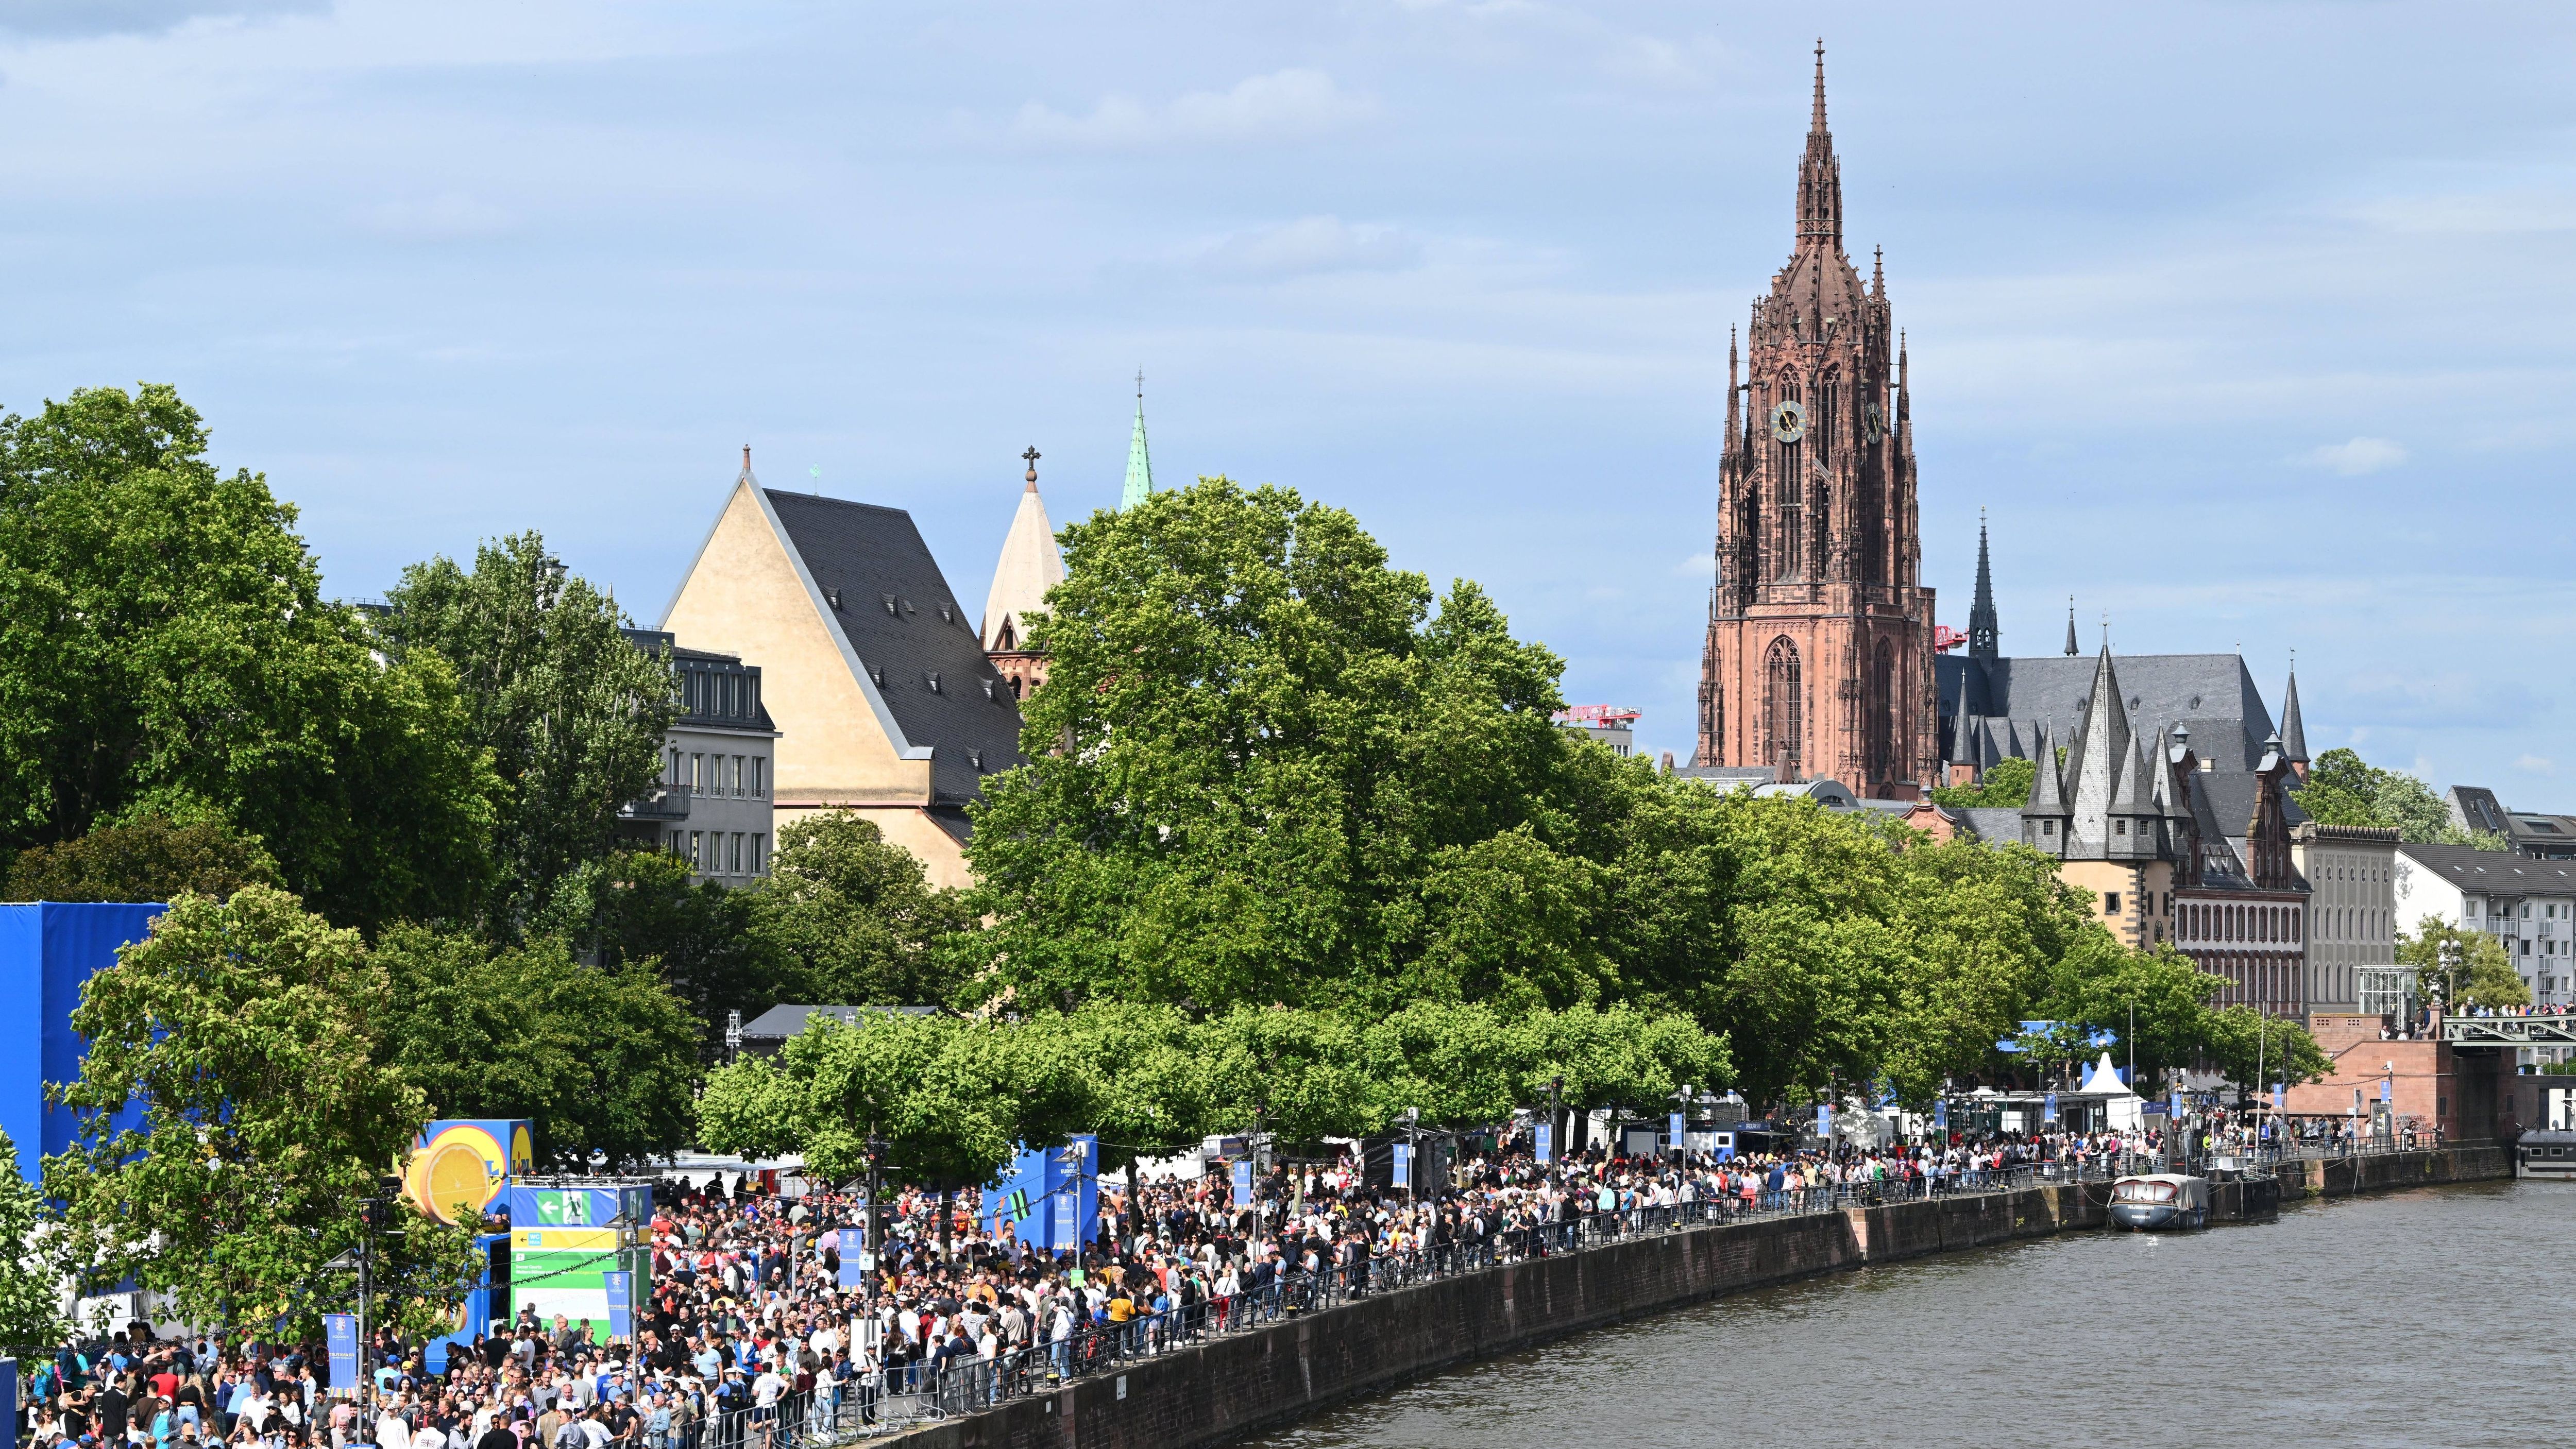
(1140, 467)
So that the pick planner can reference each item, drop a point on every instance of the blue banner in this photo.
(1824, 1121)
(1941, 1113)
(2276, 1096)
(2383, 1091)
(1678, 1132)
(1546, 1143)
(340, 1336)
(1402, 1173)
(2048, 1109)
(8, 1403)
(621, 1303)
(1242, 1184)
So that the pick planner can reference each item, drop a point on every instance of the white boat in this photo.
(2153, 1201)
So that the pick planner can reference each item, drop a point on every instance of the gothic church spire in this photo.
(1820, 176)
(1140, 466)
(1982, 630)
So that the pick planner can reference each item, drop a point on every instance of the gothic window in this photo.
(1782, 718)
(1821, 426)
(1882, 713)
(1789, 489)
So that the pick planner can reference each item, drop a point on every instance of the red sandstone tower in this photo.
(1819, 651)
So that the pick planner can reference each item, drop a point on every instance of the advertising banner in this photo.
(340, 1337)
(1546, 1145)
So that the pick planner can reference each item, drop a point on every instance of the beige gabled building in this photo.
(876, 678)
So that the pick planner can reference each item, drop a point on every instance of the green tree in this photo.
(1985, 931)
(850, 920)
(2005, 786)
(640, 906)
(31, 1317)
(2156, 1000)
(950, 1098)
(2344, 789)
(2478, 974)
(1264, 771)
(1301, 1075)
(249, 1032)
(165, 648)
(150, 858)
(571, 712)
(602, 1060)
(2254, 1051)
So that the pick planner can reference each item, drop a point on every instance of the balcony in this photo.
(667, 802)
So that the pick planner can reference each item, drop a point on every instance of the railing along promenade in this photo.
(899, 1396)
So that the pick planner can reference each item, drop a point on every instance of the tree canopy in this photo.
(165, 648)
(2344, 789)
(151, 858)
(849, 918)
(2482, 976)
(571, 712)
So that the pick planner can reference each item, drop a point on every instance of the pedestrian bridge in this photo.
(2513, 1031)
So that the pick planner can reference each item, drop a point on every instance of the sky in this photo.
(2249, 325)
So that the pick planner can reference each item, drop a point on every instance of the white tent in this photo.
(2120, 1100)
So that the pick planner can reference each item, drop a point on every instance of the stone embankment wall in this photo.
(2389, 1171)
(1236, 1386)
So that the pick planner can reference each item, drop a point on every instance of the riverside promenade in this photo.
(1274, 1370)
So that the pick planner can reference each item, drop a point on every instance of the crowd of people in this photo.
(752, 1333)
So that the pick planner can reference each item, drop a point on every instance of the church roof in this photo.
(1140, 463)
(2294, 733)
(898, 617)
(1030, 565)
(2212, 694)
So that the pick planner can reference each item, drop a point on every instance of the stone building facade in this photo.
(1818, 657)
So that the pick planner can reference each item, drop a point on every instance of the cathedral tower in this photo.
(1819, 653)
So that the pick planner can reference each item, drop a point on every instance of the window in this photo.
(697, 772)
(733, 781)
(672, 775)
(759, 844)
(2048, 827)
(757, 761)
(2119, 827)
(1782, 718)
(2110, 903)
(733, 855)
(696, 861)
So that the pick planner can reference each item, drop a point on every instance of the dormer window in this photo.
(2119, 827)
(934, 682)
(2048, 827)
(890, 606)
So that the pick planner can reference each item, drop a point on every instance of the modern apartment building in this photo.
(712, 807)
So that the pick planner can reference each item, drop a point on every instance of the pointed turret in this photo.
(1140, 466)
(2044, 818)
(1982, 632)
(1734, 389)
(2294, 734)
(1820, 176)
(2097, 761)
(1963, 747)
(2072, 648)
(1029, 566)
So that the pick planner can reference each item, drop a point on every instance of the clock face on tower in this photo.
(1877, 423)
(1789, 421)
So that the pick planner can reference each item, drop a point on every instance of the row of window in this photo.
(741, 777)
(2549, 911)
(722, 852)
(731, 696)
(2228, 921)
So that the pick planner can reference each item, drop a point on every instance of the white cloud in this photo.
(448, 216)
(1306, 246)
(1282, 106)
(2536, 765)
(2361, 455)
(1697, 566)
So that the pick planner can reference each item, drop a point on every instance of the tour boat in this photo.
(2153, 1200)
(2545, 1155)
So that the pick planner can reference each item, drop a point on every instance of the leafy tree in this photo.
(1301, 1075)
(640, 906)
(2254, 1050)
(2005, 786)
(2484, 975)
(31, 1316)
(1985, 929)
(249, 1033)
(571, 712)
(2157, 1000)
(165, 648)
(602, 1060)
(2344, 789)
(950, 1098)
(851, 920)
(1264, 771)
(151, 858)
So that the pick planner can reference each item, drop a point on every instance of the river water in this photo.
(2433, 1317)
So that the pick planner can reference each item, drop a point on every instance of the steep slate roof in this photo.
(2211, 693)
(869, 554)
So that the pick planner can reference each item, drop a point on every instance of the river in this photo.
(2432, 1317)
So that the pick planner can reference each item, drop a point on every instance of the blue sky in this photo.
(2250, 324)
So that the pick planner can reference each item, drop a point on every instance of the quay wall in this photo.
(1232, 1387)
